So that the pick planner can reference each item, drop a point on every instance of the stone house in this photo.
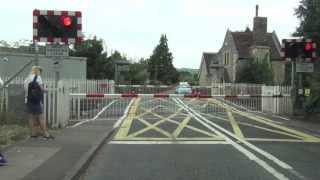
(204, 74)
(237, 46)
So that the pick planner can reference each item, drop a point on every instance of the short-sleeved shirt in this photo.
(28, 80)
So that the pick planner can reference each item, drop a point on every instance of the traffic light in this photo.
(298, 48)
(57, 26)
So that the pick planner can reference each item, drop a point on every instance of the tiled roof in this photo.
(208, 56)
(244, 40)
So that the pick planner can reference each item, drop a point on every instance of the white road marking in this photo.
(266, 119)
(168, 142)
(94, 118)
(264, 153)
(125, 114)
(250, 155)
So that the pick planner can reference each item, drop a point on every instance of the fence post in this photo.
(112, 86)
(63, 111)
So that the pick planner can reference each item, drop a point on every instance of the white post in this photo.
(112, 88)
(63, 110)
(1, 97)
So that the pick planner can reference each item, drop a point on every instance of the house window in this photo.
(226, 59)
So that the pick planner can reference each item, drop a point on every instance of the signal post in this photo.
(58, 29)
(302, 55)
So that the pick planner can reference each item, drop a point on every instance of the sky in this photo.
(134, 27)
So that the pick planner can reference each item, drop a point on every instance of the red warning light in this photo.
(308, 46)
(66, 21)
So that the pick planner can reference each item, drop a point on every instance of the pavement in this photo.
(144, 138)
(63, 158)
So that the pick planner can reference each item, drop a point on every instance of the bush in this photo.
(256, 71)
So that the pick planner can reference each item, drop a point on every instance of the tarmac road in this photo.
(203, 139)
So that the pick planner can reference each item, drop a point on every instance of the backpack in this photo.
(35, 93)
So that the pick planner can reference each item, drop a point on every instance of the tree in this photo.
(161, 55)
(308, 13)
(287, 75)
(184, 75)
(192, 79)
(137, 72)
(248, 30)
(99, 65)
(92, 49)
(256, 71)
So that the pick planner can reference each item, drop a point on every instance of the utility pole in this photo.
(36, 52)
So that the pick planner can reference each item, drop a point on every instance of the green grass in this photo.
(15, 128)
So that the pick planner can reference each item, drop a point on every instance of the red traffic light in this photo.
(66, 21)
(308, 46)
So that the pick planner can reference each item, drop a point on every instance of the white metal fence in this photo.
(279, 106)
(114, 106)
(217, 88)
(13, 96)
(58, 102)
(237, 88)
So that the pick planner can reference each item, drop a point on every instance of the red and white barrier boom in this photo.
(195, 95)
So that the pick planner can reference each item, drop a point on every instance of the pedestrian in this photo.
(35, 90)
(2, 160)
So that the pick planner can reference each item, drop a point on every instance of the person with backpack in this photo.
(35, 90)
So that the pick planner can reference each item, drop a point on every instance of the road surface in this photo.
(203, 139)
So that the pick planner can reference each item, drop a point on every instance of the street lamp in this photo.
(155, 73)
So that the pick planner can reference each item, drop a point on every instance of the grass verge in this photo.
(15, 128)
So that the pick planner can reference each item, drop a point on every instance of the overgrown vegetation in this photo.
(14, 127)
(256, 71)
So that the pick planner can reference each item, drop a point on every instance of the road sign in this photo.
(57, 26)
(56, 64)
(57, 50)
(304, 67)
(306, 92)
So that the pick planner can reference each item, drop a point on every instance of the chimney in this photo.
(260, 25)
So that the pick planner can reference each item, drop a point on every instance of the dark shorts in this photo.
(35, 108)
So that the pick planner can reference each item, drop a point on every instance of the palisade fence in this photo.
(277, 106)
(236, 88)
(273, 106)
(13, 96)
